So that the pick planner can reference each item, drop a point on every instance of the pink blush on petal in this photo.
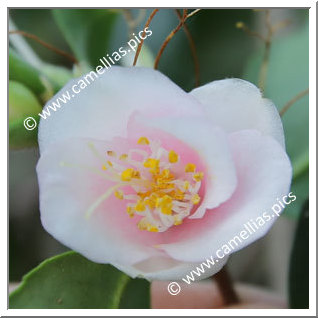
(113, 211)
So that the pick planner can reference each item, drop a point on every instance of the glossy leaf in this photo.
(87, 31)
(58, 75)
(71, 281)
(20, 137)
(22, 72)
(299, 264)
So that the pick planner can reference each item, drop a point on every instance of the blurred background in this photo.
(223, 51)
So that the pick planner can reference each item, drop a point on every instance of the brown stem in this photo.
(293, 101)
(45, 44)
(153, 13)
(193, 51)
(264, 66)
(271, 29)
(268, 44)
(225, 285)
(248, 31)
(131, 22)
(185, 16)
(168, 38)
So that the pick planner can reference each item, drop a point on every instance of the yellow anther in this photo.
(166, 173)
(177, 195)
(142, 225)
(143, 141)
(239, 25)
(195, 199)
(119, 194)
(130, 211)
(127, 174)
(198, 176)
(165, 204)
(110, 163)
(173, 157)
(136, 174)
(177, 220)
(123, 156)
(111, 153)
(186, 185)
(152, 228)
(140, 206)
(150, 203)
(152, 164)
(104, 167)
(190, 167)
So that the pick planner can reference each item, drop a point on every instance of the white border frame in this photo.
(312, 162)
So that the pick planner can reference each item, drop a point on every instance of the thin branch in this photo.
(248, 31)
(45, 44)
(172, 33)
(280, 25)
(268, 44)
(153, 13)
(131, 22)
(264, 66)
(226, 288)
(192, 13)
(293, 101)
(271, 30)
(168, 38)
(193, 51)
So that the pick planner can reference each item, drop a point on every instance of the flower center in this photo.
(156, 187)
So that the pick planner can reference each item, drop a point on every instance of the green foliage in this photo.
(22, 102)
(136, 295)
(58, 75)
(21, 71)
(20, 137)
(299, 264)
(71, 281)
(287, 76)
(87, 31)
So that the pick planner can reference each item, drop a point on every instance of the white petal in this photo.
(213, 148)
(164, 268)
(264, 174)
(66, 194)
(235, 104)
(101, 110)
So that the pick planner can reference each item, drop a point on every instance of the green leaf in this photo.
(300, 187)
(24, 73)
(71, 281)
(287, 76)
(87, 31)
(299, 264)
(20, 137)
(136, 295)
(58, 75)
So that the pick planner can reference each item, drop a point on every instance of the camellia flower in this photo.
(137, 173)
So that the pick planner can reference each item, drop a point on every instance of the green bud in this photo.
(22, 102)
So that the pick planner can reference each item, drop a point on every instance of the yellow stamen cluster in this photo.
(161, 198)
